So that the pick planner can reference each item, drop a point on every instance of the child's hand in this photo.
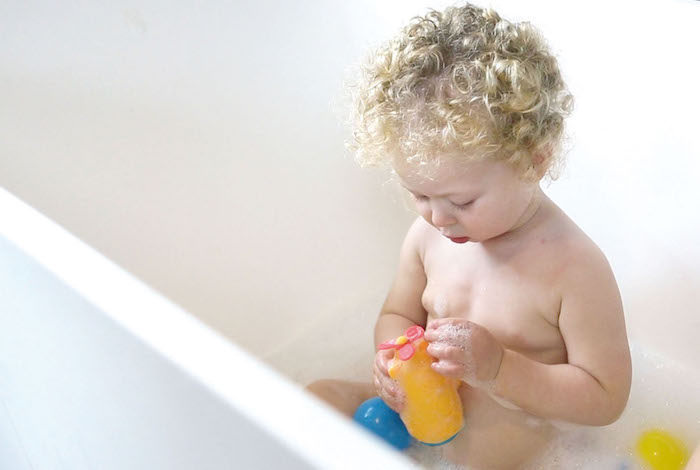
(387, 388)
(464, 350)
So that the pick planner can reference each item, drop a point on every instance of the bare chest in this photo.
(515, 298)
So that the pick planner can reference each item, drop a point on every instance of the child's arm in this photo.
(403, 306)
(593, 387)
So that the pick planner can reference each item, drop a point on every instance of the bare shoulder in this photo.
(589, 294)
(583, 260)
(582, 281)
(577, 255)
(418, 237)
(419, 227)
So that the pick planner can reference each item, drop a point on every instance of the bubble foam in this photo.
(664, 395)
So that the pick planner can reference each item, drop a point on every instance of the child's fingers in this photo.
(383, 381)
(389, 391)
(387, 388)
(446, 328)
(379, 372)
(447, 336)
(448, 369)
(445, 351)
(439, 322)
(438, 334)
(382, 361)
(430, 335)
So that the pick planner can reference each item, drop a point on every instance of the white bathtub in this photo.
(99, 371)
(196, 147)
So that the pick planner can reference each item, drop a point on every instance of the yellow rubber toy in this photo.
(433, 409)
(661, 450)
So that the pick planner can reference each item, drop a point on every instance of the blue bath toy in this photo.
(377, 417)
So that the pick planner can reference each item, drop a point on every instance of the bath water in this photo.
(664, 395)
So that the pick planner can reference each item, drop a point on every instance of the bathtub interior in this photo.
(77, 390)
(211, 166)
(100, 371)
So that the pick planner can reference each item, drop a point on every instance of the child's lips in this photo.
(459, 239)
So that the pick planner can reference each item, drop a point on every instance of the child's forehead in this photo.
(444, 178)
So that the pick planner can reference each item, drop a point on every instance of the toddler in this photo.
(468, 111)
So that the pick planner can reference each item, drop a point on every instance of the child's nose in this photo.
(441, 217)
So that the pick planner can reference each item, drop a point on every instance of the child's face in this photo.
(474, 201)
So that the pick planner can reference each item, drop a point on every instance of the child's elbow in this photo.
(611, 414)
(614, 407)
(616, 394)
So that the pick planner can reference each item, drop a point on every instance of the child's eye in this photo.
(419, 197)
(462, 207)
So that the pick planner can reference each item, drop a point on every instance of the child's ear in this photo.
(541, 159)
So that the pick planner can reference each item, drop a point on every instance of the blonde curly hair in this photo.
(462, 81)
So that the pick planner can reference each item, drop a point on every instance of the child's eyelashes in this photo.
(461, 207)
(420, 197)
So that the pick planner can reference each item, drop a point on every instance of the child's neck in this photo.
(531, 218)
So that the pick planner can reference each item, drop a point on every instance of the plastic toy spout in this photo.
(433, 410)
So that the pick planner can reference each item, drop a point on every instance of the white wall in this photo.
(196, 145)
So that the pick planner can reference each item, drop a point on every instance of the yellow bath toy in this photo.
(661, 450)
(433, 409)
